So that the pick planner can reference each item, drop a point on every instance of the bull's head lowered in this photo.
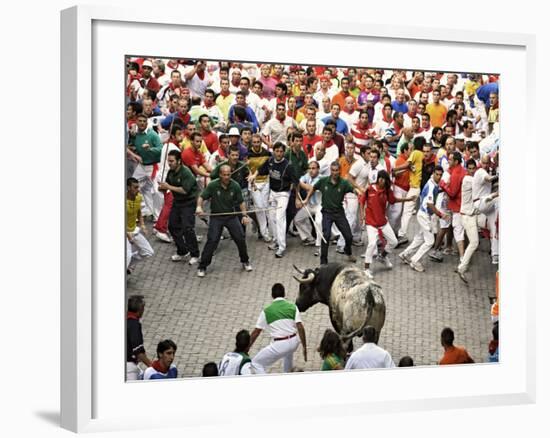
(315, 285)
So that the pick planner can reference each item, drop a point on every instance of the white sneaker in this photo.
(387, 262)
(163, 237)
(194, 260)
(178, 258)
(201, 273)
(404, 258)
(369, 274)
(267, 239)
(247, 267)
(279, 253)
(417, 267)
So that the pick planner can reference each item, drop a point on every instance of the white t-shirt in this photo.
(324, 165)
(231, 363)
(360, 170)
(196, 85)
(369, 355)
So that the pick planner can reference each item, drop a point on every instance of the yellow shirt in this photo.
(133, 208)
(415, 176)
(437, 114)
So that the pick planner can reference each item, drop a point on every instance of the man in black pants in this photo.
(223, 193)
(183, 185)
(333, 189)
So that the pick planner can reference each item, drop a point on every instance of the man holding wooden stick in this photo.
(224, 194)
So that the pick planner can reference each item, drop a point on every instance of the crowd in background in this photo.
(261, 146)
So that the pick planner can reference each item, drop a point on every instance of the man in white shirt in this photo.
(237, 363)
(487, 203)
(283, 322)
(302, 219)
(321, 158)
(348, 113)
(197, 79)
(369, 355)
(275, 130)
(468, 213)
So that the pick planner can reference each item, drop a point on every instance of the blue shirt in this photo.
(341, 126)
(152, 374)
(250, 116)
(401, 107)
(484, 91)
(428, 195)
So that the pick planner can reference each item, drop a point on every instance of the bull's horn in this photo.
(301, 271)
(308, 279)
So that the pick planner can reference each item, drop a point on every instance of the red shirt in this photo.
(377, 201)
(454, 188)
(192, 157)
(307, 140)
(210, 140)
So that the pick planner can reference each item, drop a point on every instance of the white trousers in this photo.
(488, 219)
(470, 227)
(140, 246)
(303, 224)
(372, 236)
(260, 198)
(277, 217)
(351, 208)
(276, 350)
(153, 200)
(458, 227)
(395, 210)
(132, 371)
(424, 238)
(408, 209)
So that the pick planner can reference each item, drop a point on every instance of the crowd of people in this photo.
(331, 155)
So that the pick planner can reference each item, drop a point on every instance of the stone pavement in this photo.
(202, 315)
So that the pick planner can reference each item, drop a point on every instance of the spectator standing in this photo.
(135, 351)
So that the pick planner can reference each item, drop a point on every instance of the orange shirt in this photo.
(345, 166)
(340, 99)
(437, 113)
(455, 355)
(402, 180)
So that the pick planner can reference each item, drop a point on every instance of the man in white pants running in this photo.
(424, 238)
(302, 220)
(281, 178)
(282, 319)
(469, 213)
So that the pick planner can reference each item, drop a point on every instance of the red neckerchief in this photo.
(132, 315)
(386, 120)
(494, 107)
(200, 74)
(397, 128)
(158, 367)
(282, 121)
(225, 93)
(411, 116)
(281, 99)
(349, 112)
(221, 152)
(172, 64)
(209, 106)
(329, 144)
(291, 114)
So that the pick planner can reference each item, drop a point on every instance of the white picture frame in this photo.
(92, 40)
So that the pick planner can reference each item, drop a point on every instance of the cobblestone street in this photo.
(202, 315)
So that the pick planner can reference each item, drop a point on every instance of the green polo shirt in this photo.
(185, 179)
(240, 176)
(299, 161)
(333, 194)
(152, 154)
(223, 199)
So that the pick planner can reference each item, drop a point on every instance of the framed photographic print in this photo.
(131, 89)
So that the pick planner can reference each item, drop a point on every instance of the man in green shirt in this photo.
(333, 189)
(181, 224)
(224, 194)
(145, 148)
(283, 322)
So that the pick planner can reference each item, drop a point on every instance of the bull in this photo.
(354, 301)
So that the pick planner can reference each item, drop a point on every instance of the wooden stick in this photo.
(233, 213)
(311, 217)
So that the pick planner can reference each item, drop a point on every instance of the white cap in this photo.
(234, 131)
(147, 63)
